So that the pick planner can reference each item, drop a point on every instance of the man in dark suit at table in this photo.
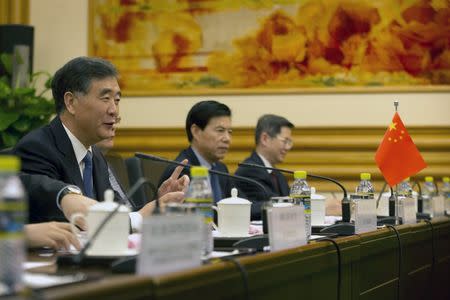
(62, 170)
(208, 129)
(273, 138)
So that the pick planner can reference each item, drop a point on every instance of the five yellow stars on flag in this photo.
(395, 139)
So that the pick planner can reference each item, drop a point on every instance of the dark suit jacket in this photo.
(49, 164)
(262, 176)
(225, 183)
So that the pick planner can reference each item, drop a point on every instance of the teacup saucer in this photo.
(127, 252)
(217, 233)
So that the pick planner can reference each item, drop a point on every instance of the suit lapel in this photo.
(282, 183)
(64, 146)
(223, 180)
(193, 160)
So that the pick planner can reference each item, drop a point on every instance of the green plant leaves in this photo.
(22, 125)
(6, 61)
(7, 118)
(9, 139)
(22, 109)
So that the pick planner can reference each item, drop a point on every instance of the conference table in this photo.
(415, 264)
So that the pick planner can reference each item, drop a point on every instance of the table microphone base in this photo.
(423, 216)
(124, 265)
(388, 220)
(342, 228)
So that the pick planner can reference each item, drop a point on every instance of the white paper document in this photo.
(170, 243)
(365, 215)
(286, 227)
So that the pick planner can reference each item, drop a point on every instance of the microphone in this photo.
(235, 177)
(420, 214)
(81, 258)
(342, 228)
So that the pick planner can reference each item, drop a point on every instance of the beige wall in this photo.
(61, 34)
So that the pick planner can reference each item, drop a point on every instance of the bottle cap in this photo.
(198, 171)
(445, 179)
(300, 174)
(429, 179)
(9, 163)
(365, 176)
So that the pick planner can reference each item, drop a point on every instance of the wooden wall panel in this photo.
(341, 152)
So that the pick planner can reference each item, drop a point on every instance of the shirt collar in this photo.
(78, 147)
(265, 162)
(203, 162)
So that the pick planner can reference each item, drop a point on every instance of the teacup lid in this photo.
(108, 204)
(234, 199)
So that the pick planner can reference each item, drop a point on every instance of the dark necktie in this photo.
(87, 175)
(276, 186)
(215, 185)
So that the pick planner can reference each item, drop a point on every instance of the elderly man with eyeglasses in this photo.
(273, 138)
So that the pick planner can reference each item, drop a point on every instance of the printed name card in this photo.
(365, 215)
(438, 204)
(170, 243)
(407, 210)
(286, 227)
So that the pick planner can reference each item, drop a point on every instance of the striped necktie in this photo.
(116, 187)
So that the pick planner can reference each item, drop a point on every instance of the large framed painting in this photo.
(180, 47)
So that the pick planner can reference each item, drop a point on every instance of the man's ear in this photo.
(195, 130)
(69, 101)
(264, 138)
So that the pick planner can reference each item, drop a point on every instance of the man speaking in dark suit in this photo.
(208, 129)
(61, 169)
(273, 138)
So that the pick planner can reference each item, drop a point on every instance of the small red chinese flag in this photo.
(397, 156)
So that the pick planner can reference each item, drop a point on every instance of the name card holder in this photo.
(438, 206)
(407, 210)
(365, 215)
(170, 244)
(286, 227)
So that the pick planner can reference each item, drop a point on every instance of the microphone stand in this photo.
(174, 162)
(236, 177)
(420, 214)
(81, 258)
(341, 228)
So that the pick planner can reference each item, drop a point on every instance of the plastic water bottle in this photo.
(404, 190)
(301, 193)
(446, 192)
(428, 192)
(200, 194)
(365, 188)
(13, 214)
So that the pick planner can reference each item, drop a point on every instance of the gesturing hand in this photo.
(173, 183)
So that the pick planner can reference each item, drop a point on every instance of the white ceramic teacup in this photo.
(233, 215)
(113, 238)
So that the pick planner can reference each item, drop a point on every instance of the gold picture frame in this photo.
(280, 46)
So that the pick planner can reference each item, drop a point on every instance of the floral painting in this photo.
(224, 46)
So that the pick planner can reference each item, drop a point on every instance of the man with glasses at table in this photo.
(273, 138)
